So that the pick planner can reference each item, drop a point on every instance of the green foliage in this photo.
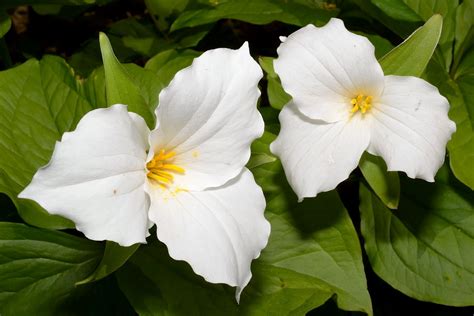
(167, 63)
(5, 23)
(114, 257)
(40, 101)
(256, 12)
(313, 253)
(423, 10)
(276, 95)
(119, 86)
(38, 268)
(411, 57)
(459, 94)
(418, 236)
(385, 184)
(424, 248)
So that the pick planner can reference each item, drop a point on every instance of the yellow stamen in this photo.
(161, 167)
(158, 178)
(173, 167)
(362, 103)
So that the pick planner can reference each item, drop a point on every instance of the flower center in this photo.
(161, 168)
(362, 103)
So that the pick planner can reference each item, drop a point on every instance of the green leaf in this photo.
(276, 95)
(40, 100)
(464, 35)
(385, 184)
(409, 10)
(119, 86)
(38, 268)
(397, 9)
(166, 64)
(370, 10)
(424, 249)
(160, 10)
(5, 23)
(260, 152)
(114, 257)
(461, 99)
(313, 253)
(256, 12)
(411, 57)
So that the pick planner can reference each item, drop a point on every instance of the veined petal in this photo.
(316, 155)
(217, 231)
(411, 127)
(208, 117)
(96, 177)
(323, 68)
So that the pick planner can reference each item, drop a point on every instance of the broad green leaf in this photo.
(5, 23)
(409, 10)
(411, 57)
(156, 75)
(114, 257)
(382, 45)
(461, 98)
(119, 86)
(256, 12)
(370, 10)
(313, 253)
(39, 268)
(166, 64)
(385, 184)
(397, 9)
(423, 249)
(276, 95)
(158, 285)
(39, 101)
(464, 35)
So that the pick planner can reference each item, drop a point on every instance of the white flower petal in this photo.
(208, 116)
(323, 68)
(316, 155)
(217, 231)
(96, 177)
(411, 127)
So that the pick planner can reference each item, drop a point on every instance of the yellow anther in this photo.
(158, 178)
(160, 168)
(173, 167)
(362, 103)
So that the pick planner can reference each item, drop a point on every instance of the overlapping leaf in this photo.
(424, 248)
(40, 100)
(39, 268)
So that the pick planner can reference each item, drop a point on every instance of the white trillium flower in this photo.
(343, 105)
(114, 177)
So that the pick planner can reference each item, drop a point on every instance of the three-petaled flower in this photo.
(115, 178)
(343, 105)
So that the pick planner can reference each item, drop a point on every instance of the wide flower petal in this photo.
(410, 127)
(217, 231)
(96, 177)
(208, 117)
(316, 155)
(323, 68)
